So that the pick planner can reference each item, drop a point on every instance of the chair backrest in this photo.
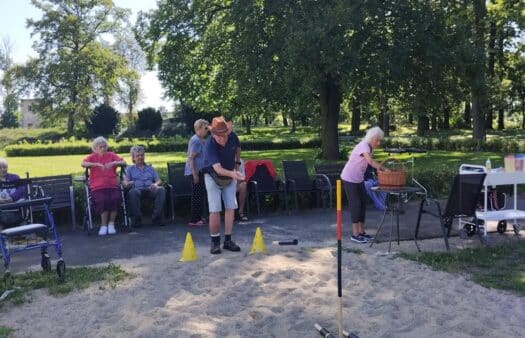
(296, 170)
(265, 181)
(59, 187)
(464, 195)
(181, 183)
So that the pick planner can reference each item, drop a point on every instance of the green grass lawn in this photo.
(56, 165)
(499, 267)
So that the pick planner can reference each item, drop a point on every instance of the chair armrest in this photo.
(325, 181)
(290, 182)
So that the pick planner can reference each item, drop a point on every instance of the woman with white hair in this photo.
(103, 183)
(9, 218)
(353, 175)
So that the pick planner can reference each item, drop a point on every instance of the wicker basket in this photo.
(396, 177)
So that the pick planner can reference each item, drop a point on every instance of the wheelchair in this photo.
(122, 217)
(24, 234)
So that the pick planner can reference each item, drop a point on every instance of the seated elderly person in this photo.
(143, 181)
(9, 218)
(103, 184)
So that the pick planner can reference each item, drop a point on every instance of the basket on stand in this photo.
(396, 177)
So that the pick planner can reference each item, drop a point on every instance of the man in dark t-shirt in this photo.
(222, 153)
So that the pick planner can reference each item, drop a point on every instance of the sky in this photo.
(13, 15)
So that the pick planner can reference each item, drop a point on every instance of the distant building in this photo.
(28, 118)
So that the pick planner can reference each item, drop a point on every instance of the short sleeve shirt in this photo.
(195, 145)
(98, 177)
(141, 177)
(355, 167)
(215, 153)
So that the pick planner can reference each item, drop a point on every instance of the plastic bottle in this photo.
(488, 165)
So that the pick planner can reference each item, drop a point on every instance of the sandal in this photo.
(243, 218)
(197, 224)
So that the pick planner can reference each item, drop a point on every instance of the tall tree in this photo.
(74, 70)
(8, 88)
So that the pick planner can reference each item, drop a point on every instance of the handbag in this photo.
(221, 181)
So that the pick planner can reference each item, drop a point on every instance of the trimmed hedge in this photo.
(501, 145)
(152, 145)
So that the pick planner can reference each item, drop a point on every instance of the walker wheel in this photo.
(61, 270)
(45, 263)
(502, 226)
(470, 228)
(516, 227)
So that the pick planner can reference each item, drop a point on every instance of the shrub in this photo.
(103, 121)
(149, 120)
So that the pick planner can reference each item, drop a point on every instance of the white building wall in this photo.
(28, 118)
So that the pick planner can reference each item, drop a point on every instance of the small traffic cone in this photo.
(188, 252)
(258, 242)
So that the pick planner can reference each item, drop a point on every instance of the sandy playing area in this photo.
(281, 294)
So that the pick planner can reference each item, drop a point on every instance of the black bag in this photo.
(221, 181)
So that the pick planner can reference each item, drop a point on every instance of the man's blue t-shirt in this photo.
(215, 153)
(142, 178)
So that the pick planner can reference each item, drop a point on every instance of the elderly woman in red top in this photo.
(103, 183)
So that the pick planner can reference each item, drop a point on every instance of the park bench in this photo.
(60, 188)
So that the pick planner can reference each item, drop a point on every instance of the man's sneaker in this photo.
(230, 245)
(215, 248)
(367, 237)
(103, 231)
(358, 239)
(111, 229)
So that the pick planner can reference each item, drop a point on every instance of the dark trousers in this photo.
(356, 196)
(197, 198)
(135, 195)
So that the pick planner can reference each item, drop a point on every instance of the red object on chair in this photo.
(250, 165)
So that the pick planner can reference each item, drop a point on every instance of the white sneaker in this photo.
(103, 231)
(111, 229)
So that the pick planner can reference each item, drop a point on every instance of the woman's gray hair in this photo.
(136, 149)
(98, 141)
(372, 133)
(3, 162)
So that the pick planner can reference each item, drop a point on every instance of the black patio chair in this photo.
(262, 183)
(179, 185)
(461, 203)
(297, 181)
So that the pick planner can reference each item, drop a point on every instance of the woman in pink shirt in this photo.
(353, 181)
(103, 183)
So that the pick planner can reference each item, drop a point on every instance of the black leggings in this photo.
(356, 196)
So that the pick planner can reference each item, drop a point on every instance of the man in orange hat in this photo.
(222, 153)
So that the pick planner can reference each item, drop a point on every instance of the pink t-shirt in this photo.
(354, 170)
(98, 177)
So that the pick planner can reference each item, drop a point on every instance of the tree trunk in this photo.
(248, 121)
(356, 114)
(446, 117)
(501, 119)
(285, 121)
(478, 83)
(423, 125)
(384, 118)
(433, 122)
(330, 102)
(467, 115)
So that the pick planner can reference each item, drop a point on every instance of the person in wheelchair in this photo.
(10, 218)
(143, 181)
(103, 183)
